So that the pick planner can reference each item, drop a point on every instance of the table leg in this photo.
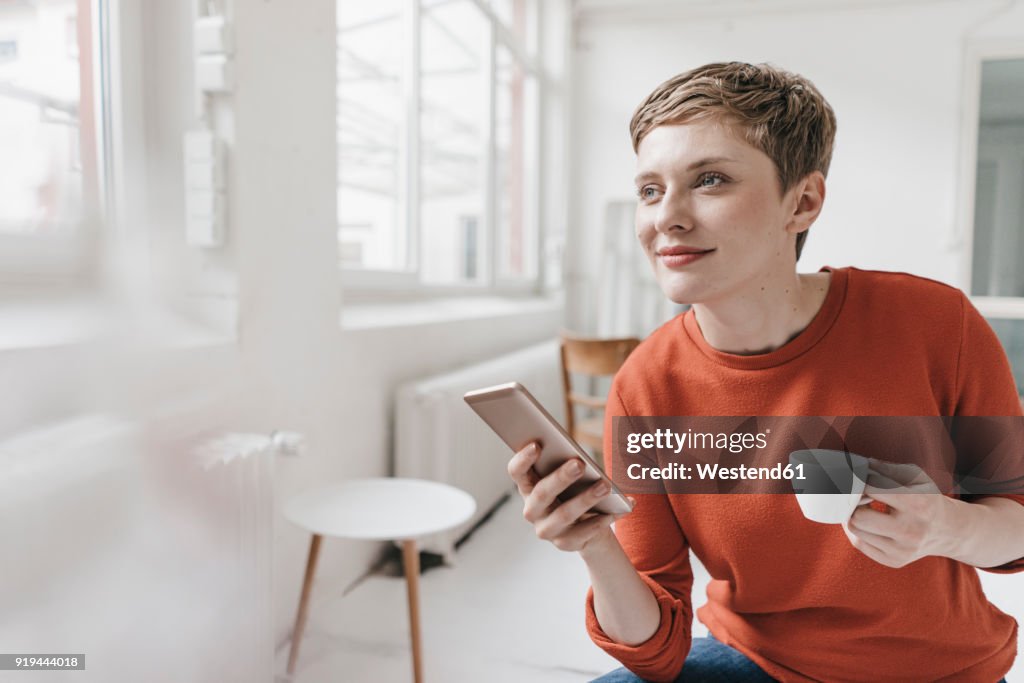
(307, 588)
(411, 562)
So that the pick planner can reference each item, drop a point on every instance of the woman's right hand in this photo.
(566, 524)
(624, 603)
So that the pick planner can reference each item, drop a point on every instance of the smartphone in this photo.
(519, 418)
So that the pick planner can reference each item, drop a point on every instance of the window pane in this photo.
(371, 228)
(999, 185)
(515, 164)
(453, 98)
(42, 122)
(1011, 334)
(518, 17)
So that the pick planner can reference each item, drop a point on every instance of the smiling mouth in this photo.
(681, 259)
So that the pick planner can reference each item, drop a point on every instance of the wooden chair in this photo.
(593, 358)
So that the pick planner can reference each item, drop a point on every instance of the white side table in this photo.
(386, 509)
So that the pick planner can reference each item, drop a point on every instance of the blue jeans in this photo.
(709, 661)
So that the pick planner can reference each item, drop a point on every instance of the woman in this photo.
(731, 162)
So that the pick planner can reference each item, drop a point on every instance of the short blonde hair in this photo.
(780, 113)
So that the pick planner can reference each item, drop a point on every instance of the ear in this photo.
(809, 196)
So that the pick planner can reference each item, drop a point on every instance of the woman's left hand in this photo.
(920, 521)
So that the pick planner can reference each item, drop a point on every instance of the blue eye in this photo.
(647, 192)
(703, 180)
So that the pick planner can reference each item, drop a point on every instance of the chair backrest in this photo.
(593, 357)
(596, 357)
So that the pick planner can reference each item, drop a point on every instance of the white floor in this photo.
(510, 611)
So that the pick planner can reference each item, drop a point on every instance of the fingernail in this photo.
(601, 488)
(577, 466)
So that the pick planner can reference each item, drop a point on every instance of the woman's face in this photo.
(703, 188)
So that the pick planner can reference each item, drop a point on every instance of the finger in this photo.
(896, 501)
(544, 493)
(867, 548)
(520, 468)
(901, 473)
(571, 511)
(884, 483)
(881, 483)
(531, 481)
(922, 483)
(884, 543)
(869, 519)
(577, 536)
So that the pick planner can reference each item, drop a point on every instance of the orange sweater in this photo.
(793, 595)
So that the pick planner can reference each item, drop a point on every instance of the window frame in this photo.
(976, 52)
(60, 260)
(370, 285)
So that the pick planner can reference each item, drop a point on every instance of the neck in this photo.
(765, 314)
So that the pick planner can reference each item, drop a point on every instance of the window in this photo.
(1011, 334)
(49, 170)
(437, 144)
(470, 255)
(370, 135)
(45, 123)
(515, 147)
(998, 248)
(994, 132)
(453, 74)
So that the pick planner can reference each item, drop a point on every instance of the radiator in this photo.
(123, 545)
(438, 437)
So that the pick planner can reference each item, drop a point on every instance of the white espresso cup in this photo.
(832, 483)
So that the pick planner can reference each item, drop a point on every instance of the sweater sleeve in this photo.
(655, 544)
(985, 387)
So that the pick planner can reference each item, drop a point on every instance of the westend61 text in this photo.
(706, 471)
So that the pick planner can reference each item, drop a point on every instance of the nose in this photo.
(674, 213)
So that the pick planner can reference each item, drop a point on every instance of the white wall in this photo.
(891, 73)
